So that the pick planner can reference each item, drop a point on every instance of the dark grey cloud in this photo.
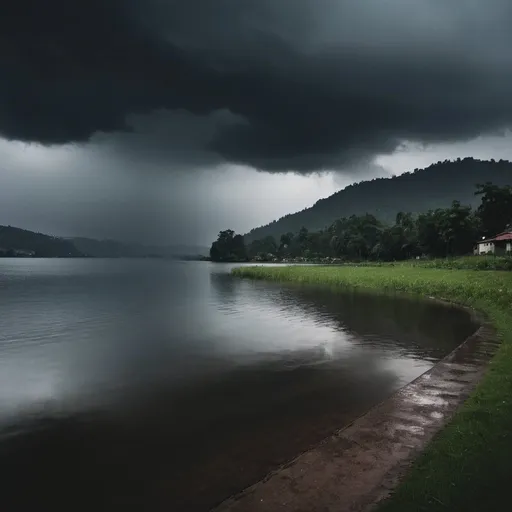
(278, 85)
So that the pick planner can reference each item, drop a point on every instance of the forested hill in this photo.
(417, 191)
(21, 242)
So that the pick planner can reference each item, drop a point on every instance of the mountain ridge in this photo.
(417, 191)
(15, 241)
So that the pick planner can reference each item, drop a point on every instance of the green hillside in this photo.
(21, 242)
(418, 191)
(17, 242)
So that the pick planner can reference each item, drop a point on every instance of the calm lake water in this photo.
(158, 385)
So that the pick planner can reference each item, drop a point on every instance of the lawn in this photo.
(468, 465)
(457, 263)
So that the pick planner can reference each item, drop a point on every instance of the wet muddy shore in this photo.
(362, 463)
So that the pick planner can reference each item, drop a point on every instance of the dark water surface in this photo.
(157, 385)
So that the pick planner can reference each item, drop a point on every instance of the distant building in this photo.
(24, 253)
(16, 253)
(499, 244)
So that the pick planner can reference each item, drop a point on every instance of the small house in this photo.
(499, 244)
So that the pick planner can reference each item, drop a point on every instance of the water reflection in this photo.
(341, 320)
(148, 385)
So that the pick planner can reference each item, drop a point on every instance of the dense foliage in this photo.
(495, 210)
(228, 247)
(417, 192)
(438, 233)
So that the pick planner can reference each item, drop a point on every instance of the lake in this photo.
(162, 385)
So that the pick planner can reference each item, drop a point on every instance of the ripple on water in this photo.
(151, 373)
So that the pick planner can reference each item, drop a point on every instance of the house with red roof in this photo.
(498, 244)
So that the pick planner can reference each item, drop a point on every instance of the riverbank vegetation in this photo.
(440, 233)
(467, 466)
(483, 262)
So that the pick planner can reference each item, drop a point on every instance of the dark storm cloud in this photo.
(276, 84)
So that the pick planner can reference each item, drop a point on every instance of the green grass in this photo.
(458, 263)
(468, 465)
(466, 262)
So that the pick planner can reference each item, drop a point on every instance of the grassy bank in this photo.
(468, 466)
(459, 263)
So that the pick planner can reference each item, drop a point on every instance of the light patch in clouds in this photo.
(77, 190)
(33, 156)
(90, 190)
(255, 198)
(417, 156)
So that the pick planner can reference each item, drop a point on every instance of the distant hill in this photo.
(418, 191)
(21, 242)
(116, 249)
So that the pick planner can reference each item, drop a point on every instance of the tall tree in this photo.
(228, 247)
(286, 241)
(495, 210)
(447, 231)
(458, 229)
(429, 228)
(262, 248)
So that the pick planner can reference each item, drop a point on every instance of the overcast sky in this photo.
(166, 121)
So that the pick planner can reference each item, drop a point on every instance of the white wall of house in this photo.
(485, 247)
(509, 246)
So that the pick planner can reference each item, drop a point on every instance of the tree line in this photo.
(438, 233)
(16, 242)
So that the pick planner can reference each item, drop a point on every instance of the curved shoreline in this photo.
(362, 463)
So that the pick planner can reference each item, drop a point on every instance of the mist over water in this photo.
(159, 385)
